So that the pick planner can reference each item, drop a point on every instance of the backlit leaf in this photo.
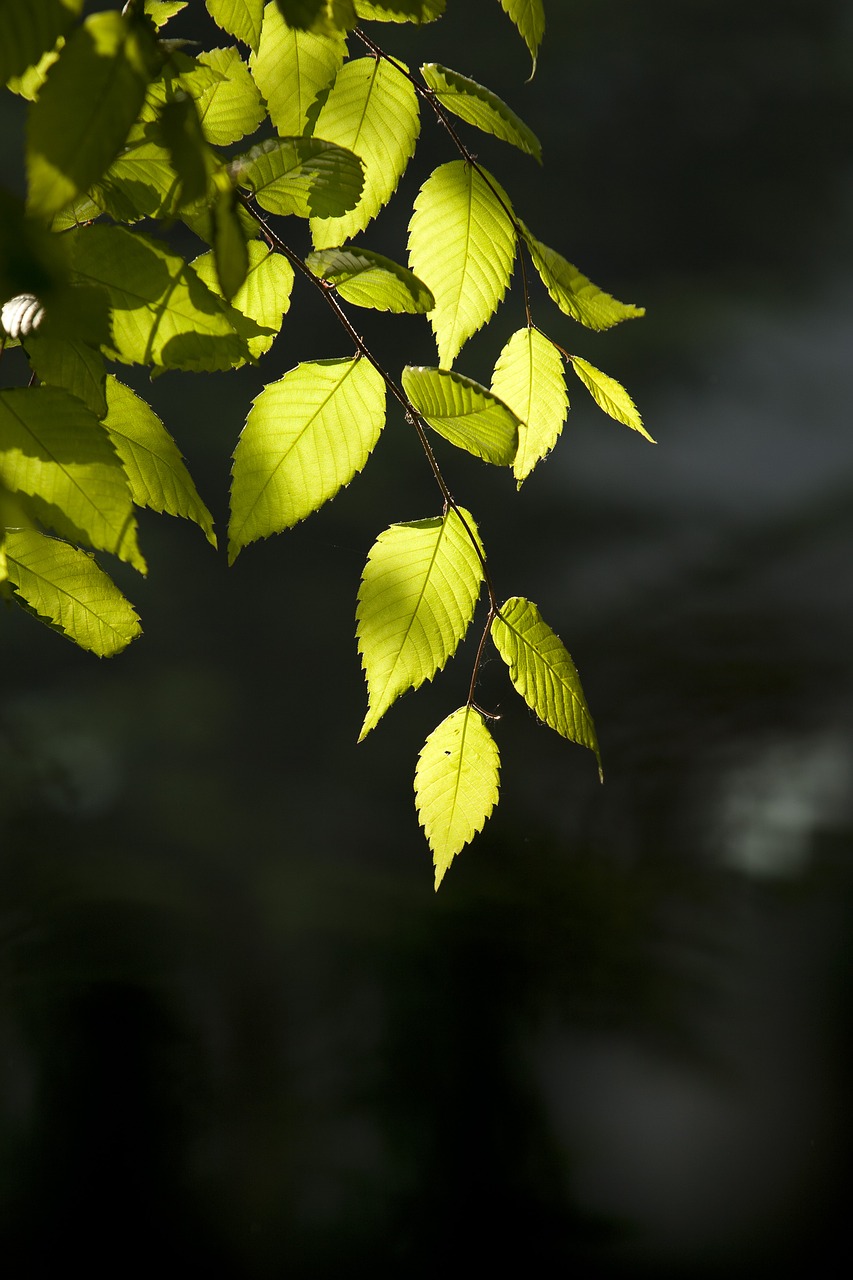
(240, 18)
(462, 245)
(465, 413)
(543, 673)
(301, 176)
(417, 598)
(263, 297)
(456, 784)
(231, 107)
(306, 436)
(480, 107)
(368, 279)
(574, 294)
(292, 68)
(610, 396)
(66, 589)
(192, 161)
(28, 85)
(140, 183)
(30, 29)
(79, 368)
(318, 15)
(529, 18)
(160, 11)
(418, 11)
(372, 110)
(529, 377)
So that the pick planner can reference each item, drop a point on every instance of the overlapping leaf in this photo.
(141, 183)
(418, 11)
(457, 784)
(610, 396)
(306, 436)
(415, 603)
(574, 294)
(529, 18)
(464, 412)
(161, 11)
(318, 15)
(543, 672)
(301, 176)
(263, 297)
(480, 107)
(529, 377)
(31, 29)
(368, 279)
(292, 69)
(156, 473)
(231, 107)
(65, 589)
(372, 110)
(240, 18)
(462, 245)
(79, 368)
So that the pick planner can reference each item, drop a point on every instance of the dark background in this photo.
(237, 1027)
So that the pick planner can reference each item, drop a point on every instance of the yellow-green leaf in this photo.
(263, 297)
(292, 68)
(480, 107)
(574, 294)
(529, 18)
(610, 396)
(231, 107)
(240, 18)
(318, 15)
(464, 412)
(457, 782)
(368, 279)
(161, 11)
(64, 362)
(417, 11)
(301, 176)
(31, 28)
(529, 377)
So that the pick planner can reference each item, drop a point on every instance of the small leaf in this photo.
(529, 377)
(574, 294)
(263, 297)
(161, 11)
(231, 107)
(240, 18)
(306, 436)
(418, 11)
(301, 176)
(529, 18)
(368, 279)
(464, 413)
(66, 589)
(79, 368)
(480, 107)
(610, 396)
(457, 782)
(318, 15)
(543, 673)
(31, 29)
(230, 251)
(462, 245)
(417, 598)
(292, 69)
(181, 131)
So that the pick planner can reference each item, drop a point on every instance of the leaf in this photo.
(415, 603)
(543, 673)
(301, 176)
(306, 436)
(573, 293)
(156, 472)
(462, 244)
(162, 313)
(292, 68)
(529, 377)
(181, 131)
(89, 100)
(53, 449)
(610, 396)
(79, 368)
(263, 297)
(529, 18)
(480, 107)
(368, 279)
(230, 251)
(141, 183)
(457, 782)
(66, 589)
(29, 84)
(231, 107)
(464, 413)
(372, 110)
(161, 11)
(318, 15)
(31, 29)
(418, 11)
(240, 18)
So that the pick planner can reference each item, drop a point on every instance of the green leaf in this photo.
(53, 449)
(543, 673)
(418, 11)
(610, 396)
(529, 377)
(457, 782)
(161, 11)
(31, 29)
(372, 109)
(65, 589)
(141, 183)
(529, 18)
(162, 313)
(29, 84)
(464, 413)
(64, 362)
(462, 244)
(263, 297)
(368, 279)
(292, 69)
(480, 107)
(306, 436)
(318, 15)
(181, 131)
(231, 107)
(573, 293)
(301, 176)
(240, 18)
(156, 472)
(417, 598)
(89, 100)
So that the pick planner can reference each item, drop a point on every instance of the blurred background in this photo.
(237, 1027)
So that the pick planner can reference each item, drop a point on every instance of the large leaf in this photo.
(263, 297)
(529, 377)
(301, 176)
(306, 436)
(231, 107)
(240, 18)
(480, 107)
(30, 29)
(53, 449)
(79, 368)
(573, 293)
(292, 69)
(372, 109)
(529, 18)
(418, 11)
(368, 279)
(90, 99)
(543, 672)
(162, 313)
(417, 598)
(456, 784)
(610, 396)
(65, 589)
(156, 472)
(464, 413)
(462, 245)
